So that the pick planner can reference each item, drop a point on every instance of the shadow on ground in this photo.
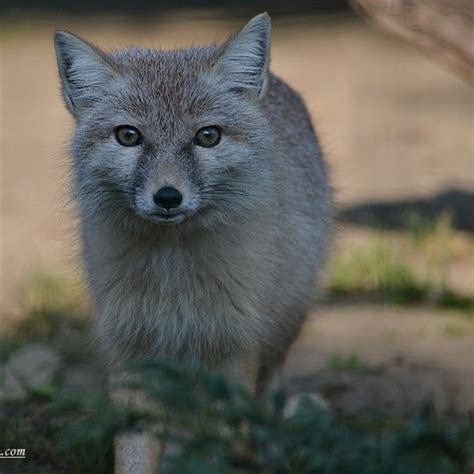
(458, 204)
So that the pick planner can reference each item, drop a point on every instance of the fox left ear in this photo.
(243, 60)
(85, 71)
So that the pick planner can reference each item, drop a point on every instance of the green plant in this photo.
(9, 344)
(420, 228)
(49, 301)
(375, 271)
(351, 362)
(217, 427)
(381, 270)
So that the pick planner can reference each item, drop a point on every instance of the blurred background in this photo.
(395, 324)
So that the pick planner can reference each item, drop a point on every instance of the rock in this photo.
(27, 369)
(85, 378)
(295, 401)
(71, 342)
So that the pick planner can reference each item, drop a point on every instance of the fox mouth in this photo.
(164, 218)
(168, 218)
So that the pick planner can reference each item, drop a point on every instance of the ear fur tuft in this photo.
(244, 58)
(84, 70)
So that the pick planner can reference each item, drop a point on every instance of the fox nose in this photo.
(168, 198)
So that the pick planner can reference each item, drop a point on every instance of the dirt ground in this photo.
(385, 359)
(395, 125)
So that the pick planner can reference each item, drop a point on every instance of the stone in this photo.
(29, 368)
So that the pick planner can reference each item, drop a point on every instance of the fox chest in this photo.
(177, 305)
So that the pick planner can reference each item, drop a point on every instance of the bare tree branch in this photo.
(443, 27)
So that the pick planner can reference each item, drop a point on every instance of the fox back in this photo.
(203, 199)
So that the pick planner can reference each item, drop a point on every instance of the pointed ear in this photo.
(85, 71)
(244, 58)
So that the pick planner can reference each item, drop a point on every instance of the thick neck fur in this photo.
(194, 295)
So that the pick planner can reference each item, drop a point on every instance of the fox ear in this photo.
(244, 58)
(85, 71)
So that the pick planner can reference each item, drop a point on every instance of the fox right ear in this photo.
(244, 58)
(85, 71)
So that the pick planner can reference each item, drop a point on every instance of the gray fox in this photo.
(204, 204)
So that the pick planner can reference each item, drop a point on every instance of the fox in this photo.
(204, 205)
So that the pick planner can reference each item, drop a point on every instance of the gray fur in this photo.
(230, 285)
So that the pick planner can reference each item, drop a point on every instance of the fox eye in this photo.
(208, 137)
(127, 135)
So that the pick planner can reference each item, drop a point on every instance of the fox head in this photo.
(169, 137)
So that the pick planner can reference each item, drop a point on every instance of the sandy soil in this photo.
(402, 356)
(395, 124)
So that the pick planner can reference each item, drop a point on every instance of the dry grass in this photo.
(405, 267)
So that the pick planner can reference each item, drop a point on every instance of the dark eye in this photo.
(127, 135)
(208, 137)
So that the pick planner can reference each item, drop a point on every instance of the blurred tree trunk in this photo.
(443, 27)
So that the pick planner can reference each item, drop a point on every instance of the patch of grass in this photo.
(375, 271)
(382, 268)
(421, 228)
(375, 424)
(51, 292)
(351, 362)
(451, 300)
(28, 425)
(8, 345)
(219, 428)
(45, 326)
(453, 330)
(437, 242)
(49, 301)
(43, 393)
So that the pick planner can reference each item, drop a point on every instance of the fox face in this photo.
(169, 137)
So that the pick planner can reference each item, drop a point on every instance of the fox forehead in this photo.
(168, 89)
(169, 80)
(173, 65)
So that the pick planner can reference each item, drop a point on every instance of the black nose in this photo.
(168, 197)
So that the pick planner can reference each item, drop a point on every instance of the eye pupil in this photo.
(208, 137)
(127, 135)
